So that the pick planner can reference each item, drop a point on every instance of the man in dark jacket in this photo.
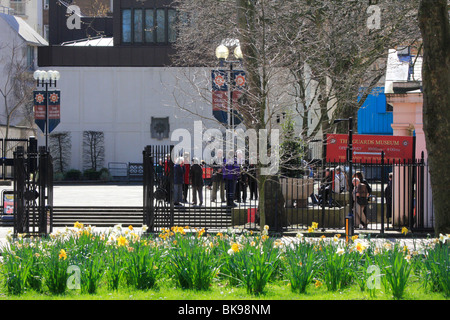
(217, 178)
(230, 176)
(196, 179)
(178, 175)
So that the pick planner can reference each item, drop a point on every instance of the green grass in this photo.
(221, 291)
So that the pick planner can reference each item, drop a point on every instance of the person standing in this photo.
(340, 181)
(230, 175)
(326, 188)
(178, 178)
(196, 180)
(388, 195)
(187, 167)
(360, 195)
(217, 178)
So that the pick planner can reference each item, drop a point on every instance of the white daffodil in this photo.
(443, 238)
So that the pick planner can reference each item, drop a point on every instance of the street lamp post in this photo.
(46, 79)
(222, 53)
(350, 169)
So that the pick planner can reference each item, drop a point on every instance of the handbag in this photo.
(362, 201)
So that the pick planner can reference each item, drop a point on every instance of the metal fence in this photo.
(174, 197)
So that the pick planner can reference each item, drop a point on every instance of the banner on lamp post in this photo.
(39, 109)
(220, 95)
(54, 107)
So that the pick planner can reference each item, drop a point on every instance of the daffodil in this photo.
(62, 254)
(340, 251)
(405, 230)
(122, 241)
(130, 227)
(318, 284)
(78, 225)
(235, 247)
(315, 225)
(360, 247)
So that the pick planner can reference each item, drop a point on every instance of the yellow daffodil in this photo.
(62, 254)
(130, 227)
(78, 225)
(315, 225)
(354, 237)
(318, 284)
(200, 233)
(122, 241)
(405, 230)
(360, 247)
(235, 247)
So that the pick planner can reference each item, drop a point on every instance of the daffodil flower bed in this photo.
(85, 259)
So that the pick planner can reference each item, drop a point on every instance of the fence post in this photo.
(148, 183)
(20, 220)
(45, 208)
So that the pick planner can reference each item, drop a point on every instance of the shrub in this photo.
(73, 175)
(91, 174)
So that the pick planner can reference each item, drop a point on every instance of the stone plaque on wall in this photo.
(160, 128)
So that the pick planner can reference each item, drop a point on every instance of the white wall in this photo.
(120, 102)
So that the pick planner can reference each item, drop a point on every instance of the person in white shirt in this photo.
(340, 181)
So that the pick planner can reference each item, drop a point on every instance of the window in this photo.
(138, 26)
(30, 57)
(126, 25)
(172, 19)
(18, 6)
(148, 26)
(160, 25)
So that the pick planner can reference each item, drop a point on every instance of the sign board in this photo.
(368, 148)
(54, 115)
(221, 95)
(40, 108)
(8, 202)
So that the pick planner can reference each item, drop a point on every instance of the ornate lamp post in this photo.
(46, 79)
(222, 53)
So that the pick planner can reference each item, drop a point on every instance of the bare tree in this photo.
(312, 56)
(435, 28)
(17, 85)
(60, 149)
(93, 149)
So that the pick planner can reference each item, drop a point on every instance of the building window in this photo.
(30, 57)
(126, 25)
(18, 6)
(148, 26)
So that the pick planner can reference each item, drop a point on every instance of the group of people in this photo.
(230, 176)
(333, 181)
(336, 181)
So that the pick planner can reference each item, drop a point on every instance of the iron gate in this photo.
(33, 191)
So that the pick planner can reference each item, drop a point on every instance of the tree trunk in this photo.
(434, 25)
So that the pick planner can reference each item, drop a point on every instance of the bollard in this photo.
(348, 227)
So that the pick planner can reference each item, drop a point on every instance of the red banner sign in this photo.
(368, 148)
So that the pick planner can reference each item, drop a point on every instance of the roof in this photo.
(402, 68)
(93, 42)
(24, 30)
